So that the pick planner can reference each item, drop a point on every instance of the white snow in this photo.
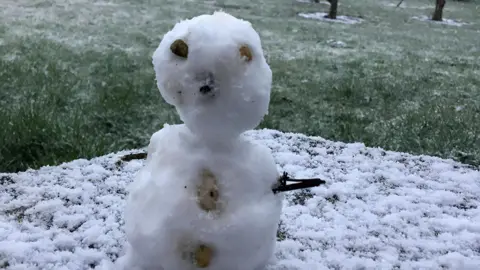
(237, 87)
(379, 210)
(445, 21)
(321, 16)
(203, 187)
(336, 43)
(311, 1)
(163, 216)
(409, 5)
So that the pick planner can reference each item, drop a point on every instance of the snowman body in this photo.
(166, 223)
(204, 198)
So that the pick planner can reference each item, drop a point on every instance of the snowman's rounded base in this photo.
(214, 210)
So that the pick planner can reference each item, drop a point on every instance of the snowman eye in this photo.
(246, 53)
(179, 48)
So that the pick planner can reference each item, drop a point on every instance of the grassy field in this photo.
(76, 79)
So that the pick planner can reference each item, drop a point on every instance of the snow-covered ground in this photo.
(311, 1)
(404, 4)
(321, 16)
(379, 210)
(444, 21)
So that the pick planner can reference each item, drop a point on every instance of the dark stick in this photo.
(300, 183)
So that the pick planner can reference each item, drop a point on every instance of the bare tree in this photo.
(332, 13)
(438, 13)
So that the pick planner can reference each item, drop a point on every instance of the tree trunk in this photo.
(332, 13)
(438, 13)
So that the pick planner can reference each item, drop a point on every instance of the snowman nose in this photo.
(205, 89)
(208, 83)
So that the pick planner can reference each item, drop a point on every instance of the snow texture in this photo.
(408, 5)
(313, 2)
(444, 21)
(336, 43)
(321, 16)
(379, 210)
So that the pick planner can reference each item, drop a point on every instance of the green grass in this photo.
(72, 89)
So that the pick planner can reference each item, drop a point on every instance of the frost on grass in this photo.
(98, 25)
(408, 5)
(445, 21)
(311, 1)
(322, 17)
(379, 210)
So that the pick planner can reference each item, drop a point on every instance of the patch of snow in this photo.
(378, 210)
(445, 21)
(321, 16)
(406, 5)
(336, 43)
(103, 3)
(311, 1)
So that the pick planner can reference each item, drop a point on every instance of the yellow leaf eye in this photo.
(179, 48)
(246, 53)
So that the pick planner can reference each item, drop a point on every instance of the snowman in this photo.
(207, 196)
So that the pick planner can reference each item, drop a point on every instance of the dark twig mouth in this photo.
(282, 186)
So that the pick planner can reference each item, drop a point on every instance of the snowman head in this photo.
(212, 69)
